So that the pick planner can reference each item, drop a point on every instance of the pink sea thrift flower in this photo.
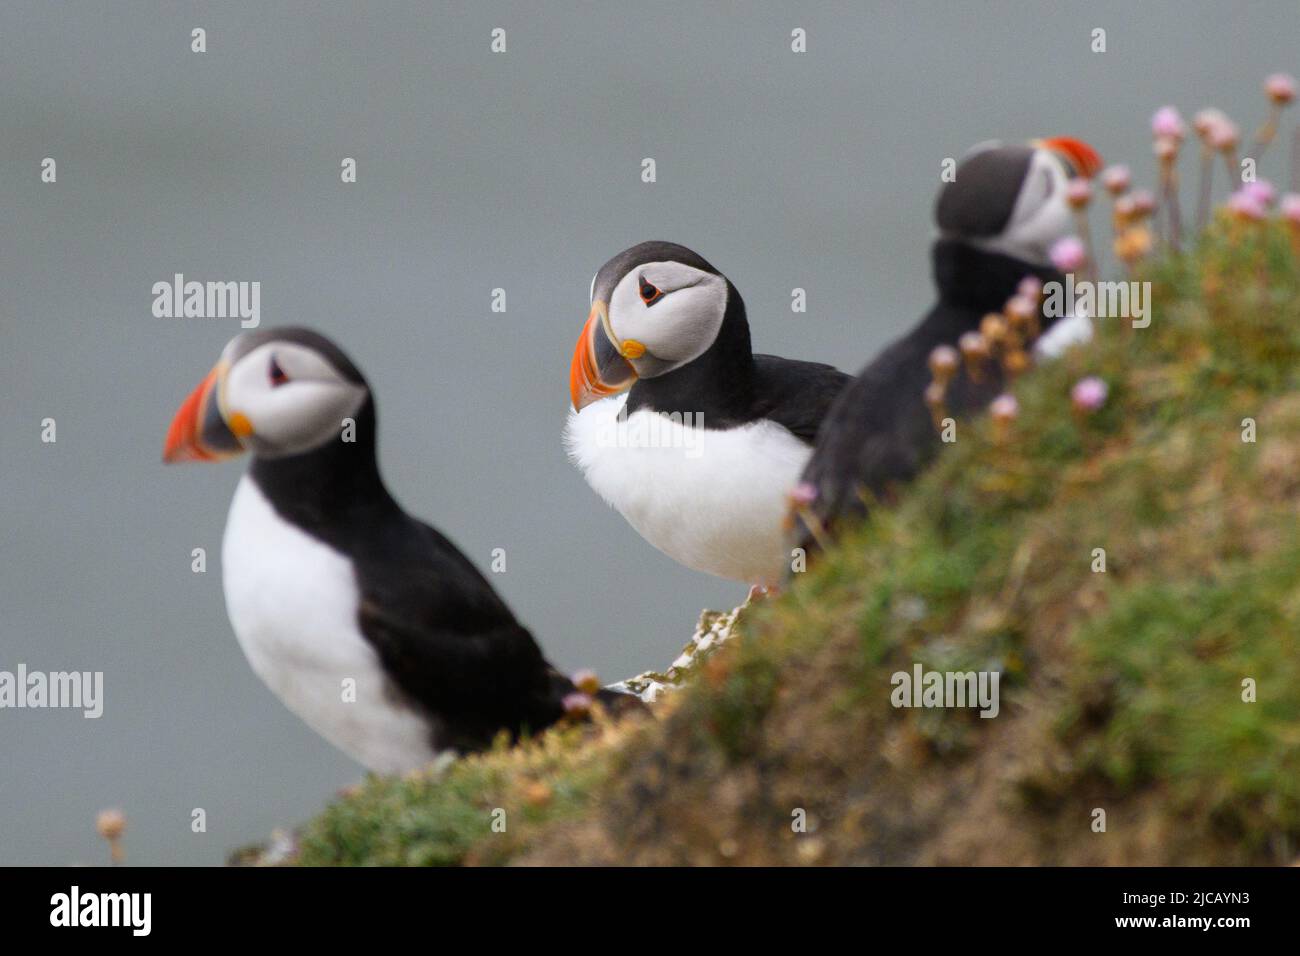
(1168, 124)
(1078, 192)
(803, 494)
(1116, 179)
(1246, 206)
(1144, 204)
(1207, 119)
(1262, 190)
(1031, 287)
(576, 704)
(1021, 308)
(1004, 407)
(1068, 254)
(1223, 134)
(1290, 207)
(1281, 88)
(1089, 394)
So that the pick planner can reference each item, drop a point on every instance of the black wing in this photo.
(874, 434)
(450, 644)
(796, 394)
(879, 432)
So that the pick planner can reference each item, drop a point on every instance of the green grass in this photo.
(1121, 690)
(483, 810)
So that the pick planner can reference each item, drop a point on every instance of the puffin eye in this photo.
(276, 374)
(649, 294)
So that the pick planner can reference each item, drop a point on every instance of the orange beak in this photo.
(1084, 159)
(599, 368)
(198, 432)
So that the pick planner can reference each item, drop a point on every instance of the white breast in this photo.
(713, 500)
(1067, 332)
(292, 602)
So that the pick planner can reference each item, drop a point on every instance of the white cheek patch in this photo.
(691, 323)
(302, 413)
(1039, 218)
(680, 326)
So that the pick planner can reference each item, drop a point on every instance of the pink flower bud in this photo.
(1116, 179)
(1089, 394)
(1291, 208)
(576, 704)
(973, 345)
(804, 494)
(1031, 287)
(1281, 88)
(1004, 408)
(1223, 134)
(1144, 204)
(1207, 119)
(1262, 191)
(1167, 124)
(1245, 206)
(1078, 192)
(1020, 309)
(1069, 254)
(111, 824)
(943, 362)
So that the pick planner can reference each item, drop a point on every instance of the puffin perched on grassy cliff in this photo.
(367, 623)
(998, 220)
(701, 453)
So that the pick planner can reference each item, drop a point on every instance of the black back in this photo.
(879, 431)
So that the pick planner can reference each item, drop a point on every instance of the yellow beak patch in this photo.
(239, 425)
(632, 349)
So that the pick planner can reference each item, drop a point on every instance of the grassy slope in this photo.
(1121, 690)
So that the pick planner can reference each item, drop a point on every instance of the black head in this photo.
(1012, 198)
(657, 309)
(276, 392)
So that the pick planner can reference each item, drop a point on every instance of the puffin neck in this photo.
(971, 278)
(330, 486)
(718, 385)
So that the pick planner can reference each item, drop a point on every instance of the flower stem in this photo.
(1175, 216)
(1207, 186)
(1266, 132)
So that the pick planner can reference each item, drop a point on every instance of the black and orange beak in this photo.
(198, 431)
(599, 368)
(1082, 158)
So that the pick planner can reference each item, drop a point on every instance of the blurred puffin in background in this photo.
(701, 452)
(998, 220)
(367, 623)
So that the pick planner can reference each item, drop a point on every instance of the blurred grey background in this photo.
(476, 171)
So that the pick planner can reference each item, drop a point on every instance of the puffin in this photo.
(998, 220)
(366, 622)
(679, 426)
